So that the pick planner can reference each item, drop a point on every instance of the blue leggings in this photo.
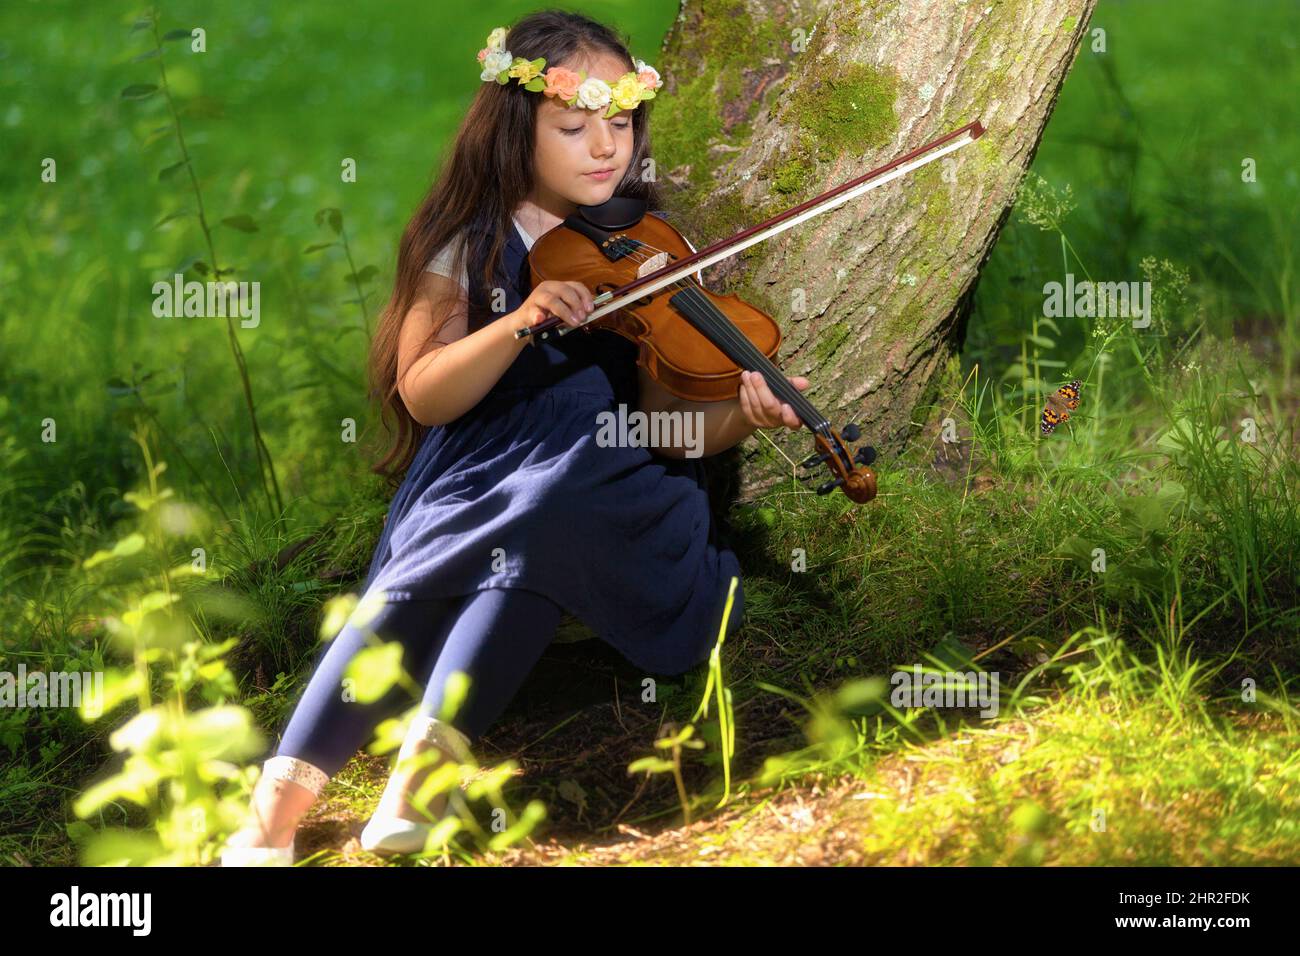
(494, 635)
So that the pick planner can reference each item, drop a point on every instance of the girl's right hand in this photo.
(570, 301)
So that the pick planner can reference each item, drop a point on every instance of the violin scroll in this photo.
(851, 472)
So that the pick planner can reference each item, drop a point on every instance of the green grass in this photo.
(1124, 686)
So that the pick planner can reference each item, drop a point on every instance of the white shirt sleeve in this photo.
(441, 265)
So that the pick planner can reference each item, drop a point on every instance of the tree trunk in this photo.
(766, 105)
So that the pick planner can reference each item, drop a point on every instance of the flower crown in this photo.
(572, 89)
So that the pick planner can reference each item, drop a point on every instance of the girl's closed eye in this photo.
(578, 129)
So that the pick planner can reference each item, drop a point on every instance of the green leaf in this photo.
(1171, 494)
(178, 34)
(79, 831)
(952, 653)
(131, 544)
(368, 273)
(242, 222)
(210, 652)
(144, 501)
(650, 765)
(683, 735)
(318, 247)
(1015, 370)
(138, 91)
(333, 217)
(120, 685)
(146, 55)
(175, 215)
(336, 615)
(1042, 341)
(121, 847)
(219, 733)
(1077, 548)
(1181, 436)
(154, 136)
(374, 670)
(131, 784)
(860, 695)
(1145, 512)
(153, 601)
(168, 171)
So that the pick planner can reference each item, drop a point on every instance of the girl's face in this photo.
(573, 142)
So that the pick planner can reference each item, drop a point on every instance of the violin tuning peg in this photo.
(865, 455)
(850, 432)
(830, 486)
(814, 460)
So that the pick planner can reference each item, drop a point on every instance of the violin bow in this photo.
(614, 299)
(851, 471)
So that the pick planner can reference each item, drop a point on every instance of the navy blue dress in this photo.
(619, 537)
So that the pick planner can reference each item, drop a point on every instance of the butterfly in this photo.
(1065, 397)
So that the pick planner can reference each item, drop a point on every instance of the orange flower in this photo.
(562, 83)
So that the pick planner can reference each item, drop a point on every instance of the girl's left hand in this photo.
(762, 408)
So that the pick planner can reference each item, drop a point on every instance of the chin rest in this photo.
(618, 212)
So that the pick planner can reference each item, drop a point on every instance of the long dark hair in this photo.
(487, 174)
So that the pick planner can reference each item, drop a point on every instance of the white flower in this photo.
(497, 39)
(593, 93)
(494, 63)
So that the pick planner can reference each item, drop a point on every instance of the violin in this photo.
(696, 343)
(609, 246)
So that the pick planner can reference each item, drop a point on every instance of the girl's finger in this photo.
(746, 405)
(584, 294)
(577, 311)
(569, 295)
(771, 406)
(761, 418)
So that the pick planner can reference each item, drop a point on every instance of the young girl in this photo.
(510, 512)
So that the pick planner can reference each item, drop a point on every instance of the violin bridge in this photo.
(653, 264)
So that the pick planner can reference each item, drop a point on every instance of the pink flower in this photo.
(649, 79)
(481, 54)
(562, 83)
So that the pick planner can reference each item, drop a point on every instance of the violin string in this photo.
(738, 340)
(708, 314)
(725, 330)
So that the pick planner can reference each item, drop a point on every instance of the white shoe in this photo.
(388, 835)
(258, 855)
(277, 768)
(386, 832)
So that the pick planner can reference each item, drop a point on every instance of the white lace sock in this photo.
(386, 832)
(296, 771)
(424, 730)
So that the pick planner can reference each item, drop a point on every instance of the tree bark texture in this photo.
(768, 104)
